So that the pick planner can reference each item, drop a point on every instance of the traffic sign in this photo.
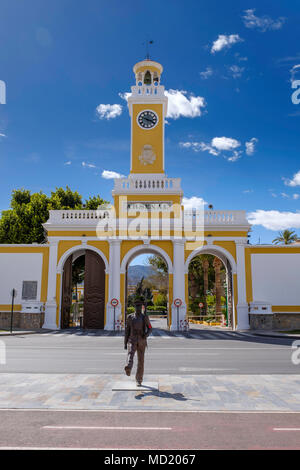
(177, 302)
(114, 302)
(201, 305)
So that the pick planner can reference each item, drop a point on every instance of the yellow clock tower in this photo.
(147, 188)
(148, 108)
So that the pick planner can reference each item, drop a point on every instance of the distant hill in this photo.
(136, 272)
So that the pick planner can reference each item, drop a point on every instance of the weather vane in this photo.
(147, 44)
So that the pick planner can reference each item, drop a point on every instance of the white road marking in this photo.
(286, 429)
(58, 410)
(109, 428)
(197, 369)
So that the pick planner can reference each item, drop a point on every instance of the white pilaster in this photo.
(242, 306)
(178, 283)
(51, 304)
(113, 283)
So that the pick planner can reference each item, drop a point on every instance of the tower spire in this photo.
(148, 43)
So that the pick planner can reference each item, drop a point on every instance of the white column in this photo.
(113, 283)
(178, 283)
(50, 307)
(242, 306)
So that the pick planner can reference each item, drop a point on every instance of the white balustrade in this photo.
(78, 216)
(151, 184)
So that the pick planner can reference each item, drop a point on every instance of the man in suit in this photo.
(138, 328)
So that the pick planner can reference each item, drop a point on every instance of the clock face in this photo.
(147, 119)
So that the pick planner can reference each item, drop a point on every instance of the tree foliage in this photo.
(22, 223)
(286, 237)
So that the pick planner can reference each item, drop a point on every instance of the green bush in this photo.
(155, 308)
(130, 310)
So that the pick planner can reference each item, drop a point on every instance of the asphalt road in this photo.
(197, 352)
(28, 429)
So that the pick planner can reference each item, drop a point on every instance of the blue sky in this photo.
(232, 133)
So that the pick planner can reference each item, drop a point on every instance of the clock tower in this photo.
(148, 108)
(147, 190)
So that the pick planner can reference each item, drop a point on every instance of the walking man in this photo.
(138, 328)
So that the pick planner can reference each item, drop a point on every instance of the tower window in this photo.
(147, 78)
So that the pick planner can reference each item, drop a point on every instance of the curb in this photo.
(16, 333)
(273, 335)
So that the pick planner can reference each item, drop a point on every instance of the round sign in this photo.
(114, 302)
(177, 302)
(201, 305)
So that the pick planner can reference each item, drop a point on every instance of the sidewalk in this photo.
(176, 393)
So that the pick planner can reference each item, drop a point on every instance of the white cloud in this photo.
(275, 220)
(68, 162)
(109, 175)
(295, 181)
(193, 202)
(206, 73)
(2, 135)
(237, 154)
(296, 196)
(236, 71)
(109, 111)
(262, 23)
(224, 41)
(182, 104)
(225, 143)
(199, 147)
(88, 165)
(217, 145)
(250, 146)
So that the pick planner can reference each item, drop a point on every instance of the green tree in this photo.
(22, 223)
(286, 237)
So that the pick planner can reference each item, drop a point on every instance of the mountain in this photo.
(136, 272)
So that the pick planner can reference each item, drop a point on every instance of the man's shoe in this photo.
(127, 370)
(138, 383)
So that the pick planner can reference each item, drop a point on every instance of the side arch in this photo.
(75, 248)
(216, 250)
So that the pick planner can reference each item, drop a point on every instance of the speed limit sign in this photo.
(177, 302)
(201, 305)
(114, 302)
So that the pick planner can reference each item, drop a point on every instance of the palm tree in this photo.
(285, 237)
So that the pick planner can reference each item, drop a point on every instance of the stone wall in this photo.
(277, 321)
(24, 321)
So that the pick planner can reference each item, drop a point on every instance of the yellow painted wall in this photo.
(248, 274)
(230, 246)
(141, 137)
(65, 245)
(101, 245)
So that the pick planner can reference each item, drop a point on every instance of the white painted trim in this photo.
(214, 250)
(63, 258)
(140, 249)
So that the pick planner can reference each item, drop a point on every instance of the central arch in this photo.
(141, 250)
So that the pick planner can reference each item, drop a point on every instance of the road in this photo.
(197, 352)
(145, 430)
(218, 390)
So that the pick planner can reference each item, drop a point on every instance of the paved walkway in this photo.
(206, 392)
